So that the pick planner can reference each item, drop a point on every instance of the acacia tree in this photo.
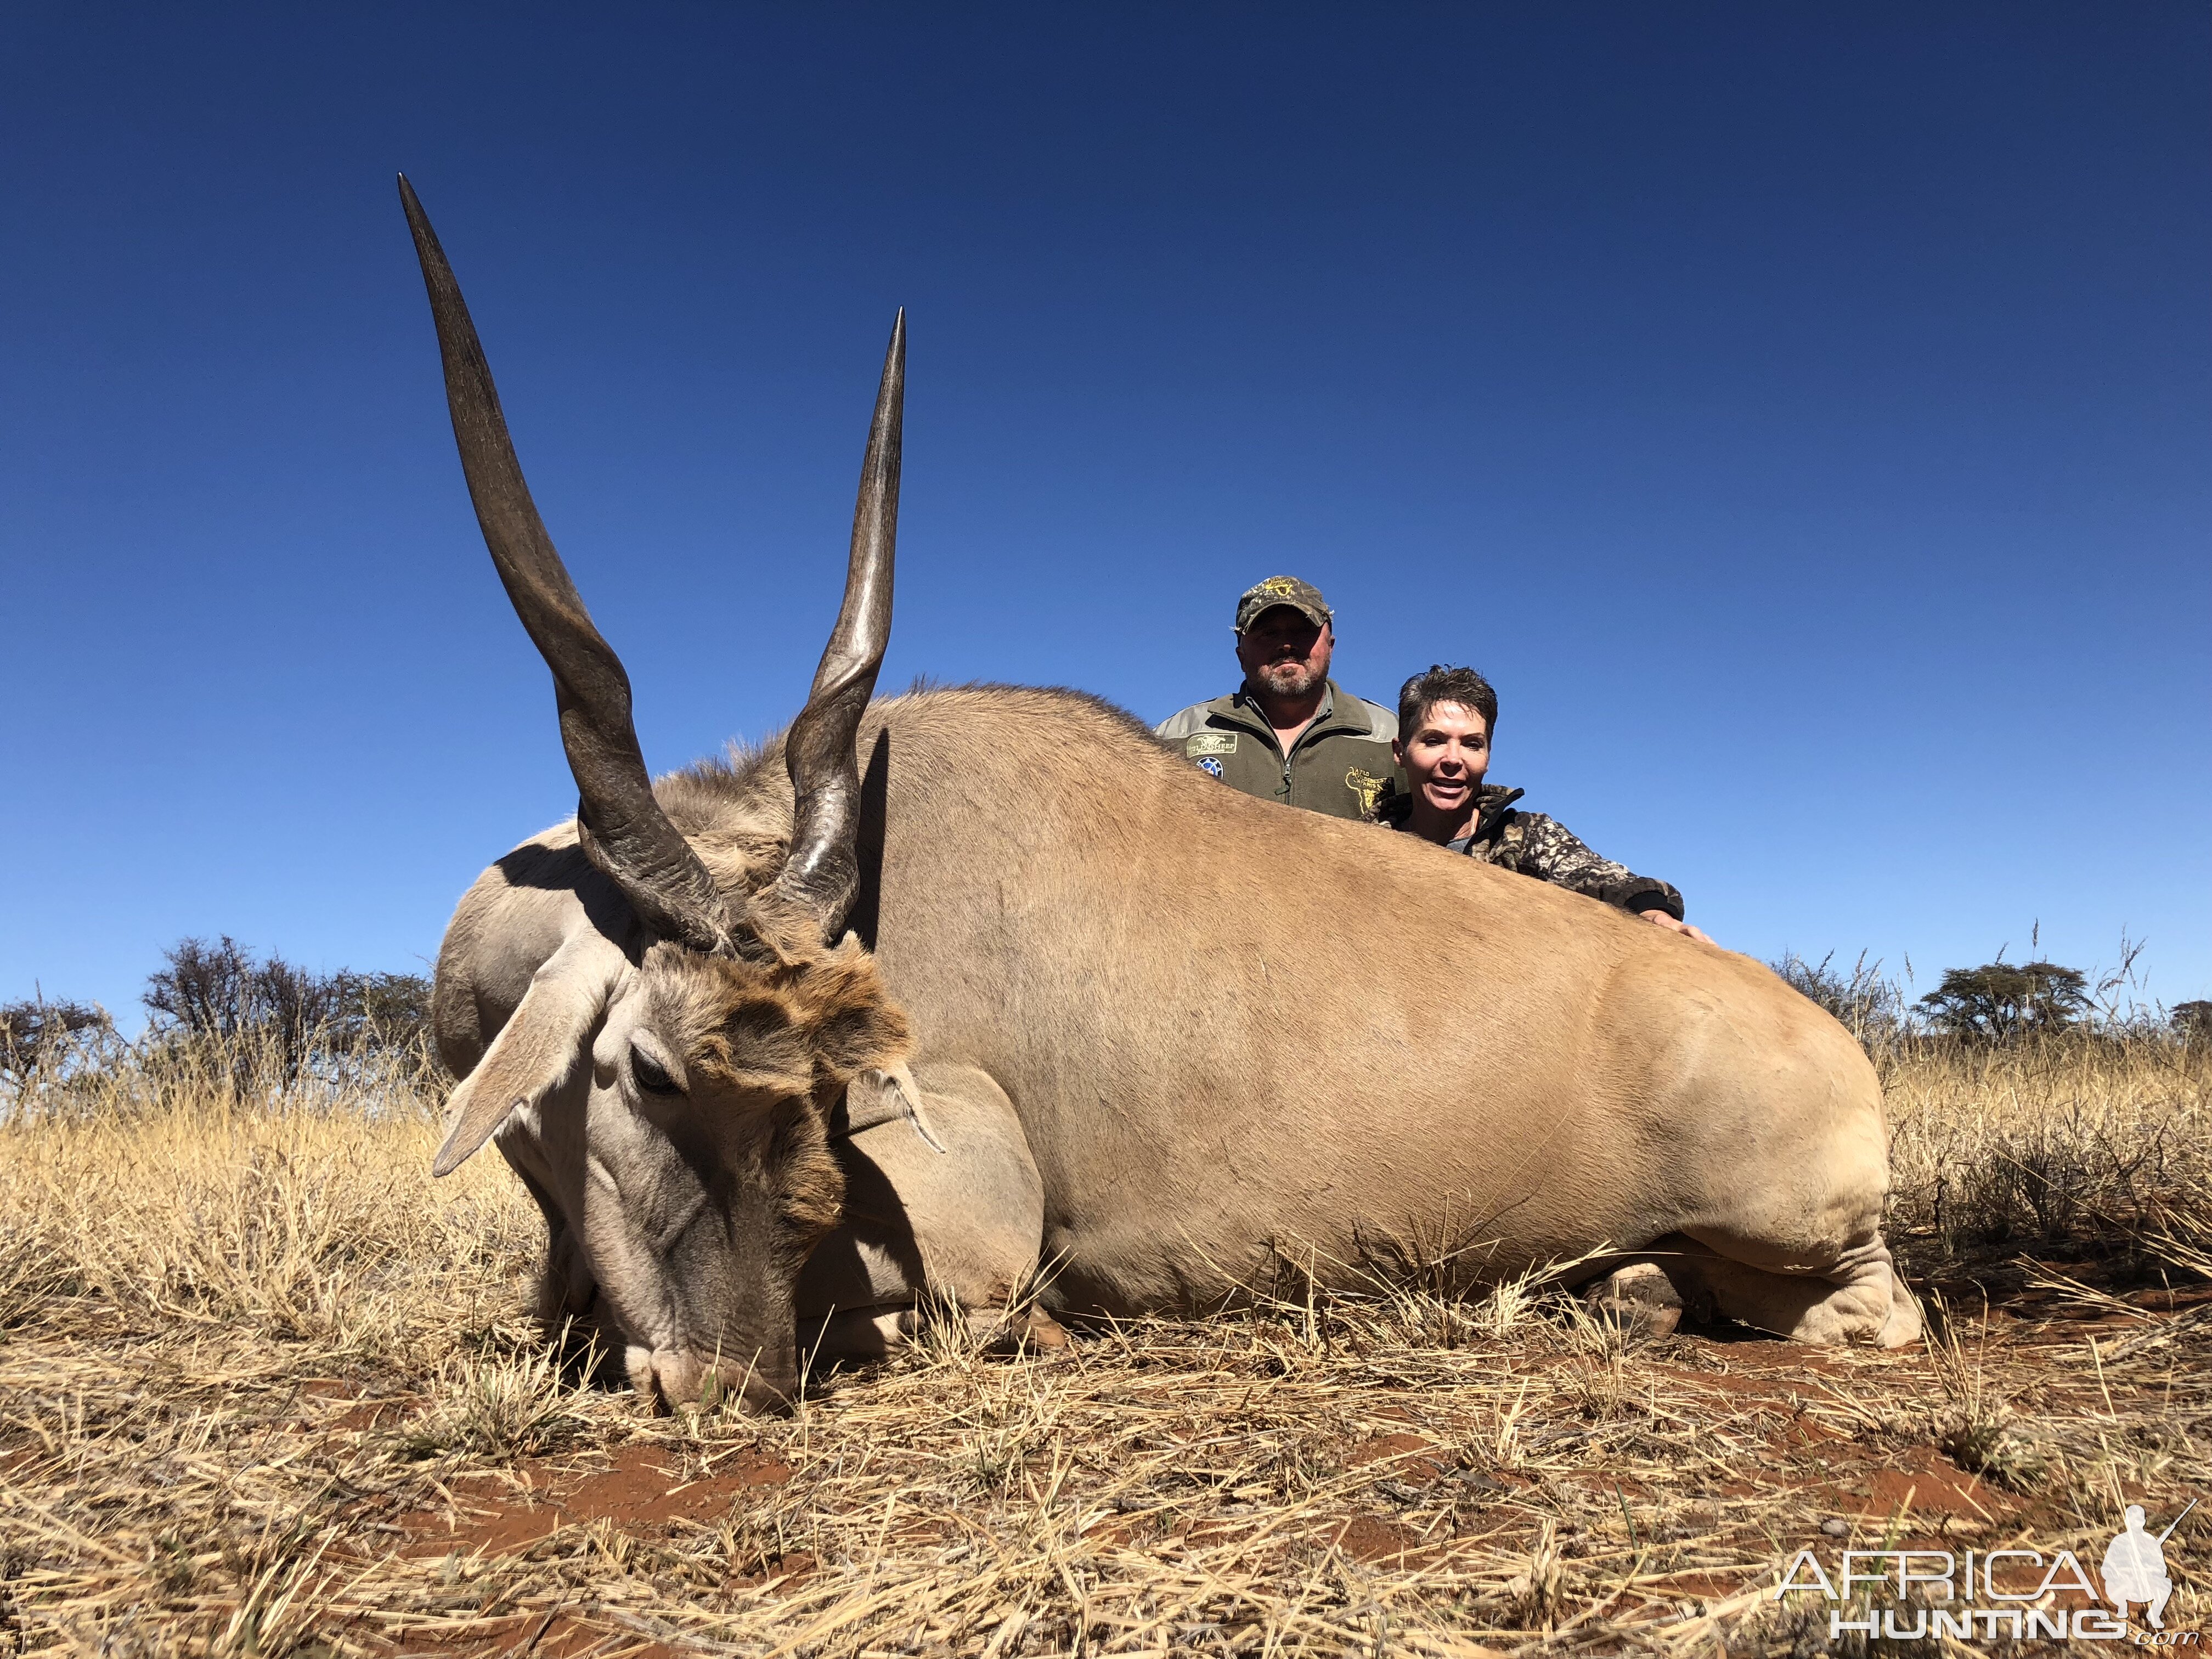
(2000, 1001)
(2192, 1021)
(293, 1016)
(37, 1035)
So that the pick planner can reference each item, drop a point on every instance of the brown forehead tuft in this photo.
(792, 1025)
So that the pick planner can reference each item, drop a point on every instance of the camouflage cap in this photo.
(1282, 590)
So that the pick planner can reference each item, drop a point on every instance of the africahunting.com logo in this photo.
(1987, 1595)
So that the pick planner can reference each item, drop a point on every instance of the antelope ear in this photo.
(537, 1046)
(895, 1094)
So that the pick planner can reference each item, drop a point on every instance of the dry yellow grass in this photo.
(2073, 1143)
(264, 1389)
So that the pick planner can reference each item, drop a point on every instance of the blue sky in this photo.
(1801, 412)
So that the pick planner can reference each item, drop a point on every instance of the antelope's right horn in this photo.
(621, 826)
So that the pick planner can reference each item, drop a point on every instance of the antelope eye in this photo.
(649, 1075)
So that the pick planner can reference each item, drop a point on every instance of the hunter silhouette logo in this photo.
(2135, 1567)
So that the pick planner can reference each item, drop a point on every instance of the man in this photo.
(1290, 733)
(1445, 718)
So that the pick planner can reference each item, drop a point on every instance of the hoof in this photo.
(1036, 1333)
(1637, 1297)
(1905, 1324)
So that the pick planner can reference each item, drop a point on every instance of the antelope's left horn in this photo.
(821, 873)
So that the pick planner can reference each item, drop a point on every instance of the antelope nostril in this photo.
(665, 1377)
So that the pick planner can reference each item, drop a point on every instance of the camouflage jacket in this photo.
(1339, 765)
(1543, 847)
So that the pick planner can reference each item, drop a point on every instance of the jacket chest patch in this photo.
(1209, 743)
(1365, 784)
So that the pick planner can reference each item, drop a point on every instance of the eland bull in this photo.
(983, 996)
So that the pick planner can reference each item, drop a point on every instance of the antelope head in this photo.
(672, 1090)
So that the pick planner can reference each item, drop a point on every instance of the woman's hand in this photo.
(1661, 919)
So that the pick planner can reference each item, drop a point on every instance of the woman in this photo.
(1444, 720)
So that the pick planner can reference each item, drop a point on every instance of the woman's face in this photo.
(1445, 757)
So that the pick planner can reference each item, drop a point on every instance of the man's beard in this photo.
(1287, 679)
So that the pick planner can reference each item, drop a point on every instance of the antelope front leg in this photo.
(960, 1229)
(568, 1300)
